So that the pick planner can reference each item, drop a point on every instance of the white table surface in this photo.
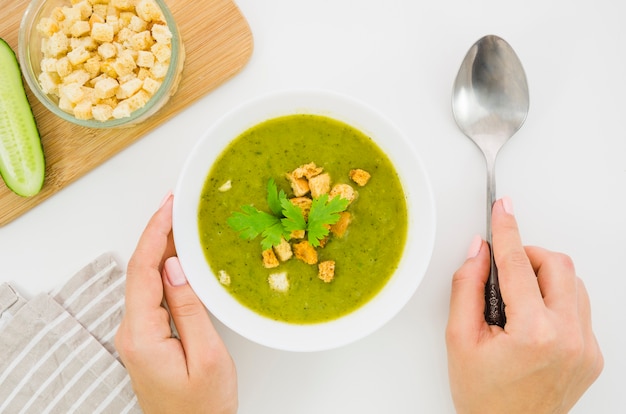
(565, 170)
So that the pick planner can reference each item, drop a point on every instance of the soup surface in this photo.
(366, 256)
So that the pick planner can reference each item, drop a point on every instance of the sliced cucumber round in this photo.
(22, 164)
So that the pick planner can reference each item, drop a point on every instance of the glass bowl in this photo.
(31, 55)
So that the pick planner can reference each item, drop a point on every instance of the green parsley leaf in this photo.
(286, 218)
(294, 219)
(324, 213)
(272, 235)
(251, 222)
(274, 197)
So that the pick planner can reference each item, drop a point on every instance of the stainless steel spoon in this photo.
(490, 103)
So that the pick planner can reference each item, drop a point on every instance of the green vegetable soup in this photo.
(365, 256)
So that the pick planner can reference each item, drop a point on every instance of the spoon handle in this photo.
(494, 306)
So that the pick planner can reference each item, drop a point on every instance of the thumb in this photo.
(192, 321)
(467, 297)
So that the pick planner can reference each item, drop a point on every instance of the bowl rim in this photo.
(370, 316)
(28, 24)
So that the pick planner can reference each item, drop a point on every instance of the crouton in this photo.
(124, 35)
(92, 66)
(78, 56)
(225, 187)
(80, 28)
(149, 11)
(72, 92)
(63, 67)
(49, 82)
(58, 44)
(326, 270)
(65, 104)
(162, 52)
(102, 112)
(343, 191)
(308, 171)
(299, 185)
(278, 282)
(82, 110)
(305, 252)
(143, 41)
(162, 34)
(320, 184)
(114, 22)
(79, 76)
(138, 100)
(107, 50)
(223, 277)
(361, 177)
(86, 42)
(159, 70)
(129, 88)
(297, 234)
(125, 63)
(339, 228)
(123, 4)
(269, 259)
(84, 8)
(47, 26)
(145, 59)
(122, 110)
(137, 24)
(283, 250)
(102, 32)
(96, 18)
(151, 86)
(304, 203)
(106, 88)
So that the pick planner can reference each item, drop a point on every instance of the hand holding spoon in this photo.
(490, 103)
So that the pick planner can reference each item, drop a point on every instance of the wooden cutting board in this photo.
(218, 43)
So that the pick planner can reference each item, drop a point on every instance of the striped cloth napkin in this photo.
(56, 350)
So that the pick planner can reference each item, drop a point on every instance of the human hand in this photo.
(546, 356)
(193, 374)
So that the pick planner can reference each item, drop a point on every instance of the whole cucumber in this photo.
(22, 164)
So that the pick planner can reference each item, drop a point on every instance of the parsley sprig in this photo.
(286, 217)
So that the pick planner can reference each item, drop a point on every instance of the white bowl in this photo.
(366, 319)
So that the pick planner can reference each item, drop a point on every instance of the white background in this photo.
(565, 171)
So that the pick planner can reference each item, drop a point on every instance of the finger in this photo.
(144, 288)
(194, 326)
(518, 282)
(556, 278)
(467, 297)
(594, 356)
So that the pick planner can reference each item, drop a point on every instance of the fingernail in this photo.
(165, 199)
(174, 272)
(475, 246)
(507, 205)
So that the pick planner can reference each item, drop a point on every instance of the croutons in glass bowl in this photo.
(101, 64)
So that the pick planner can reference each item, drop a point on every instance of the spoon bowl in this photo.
(490, 103)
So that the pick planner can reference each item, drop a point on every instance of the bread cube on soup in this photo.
(305, 252)
(319, 184)
(359, 176)
(344, 191)
(269, 259)
(339, 228)
(278, 282)
(326, 270)
(299, 185)
(283, 250)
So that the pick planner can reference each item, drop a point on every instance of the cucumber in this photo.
(22, 164)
